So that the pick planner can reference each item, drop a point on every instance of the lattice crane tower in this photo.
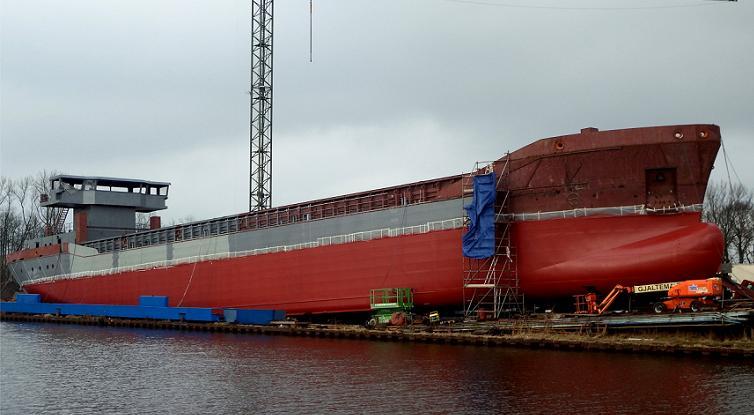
(260, 175)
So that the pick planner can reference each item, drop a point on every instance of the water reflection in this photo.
(76, 369)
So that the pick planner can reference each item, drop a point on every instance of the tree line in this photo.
(21, 219)
(731, 208)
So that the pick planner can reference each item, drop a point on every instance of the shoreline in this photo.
(649, 341)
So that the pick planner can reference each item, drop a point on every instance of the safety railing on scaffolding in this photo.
(491, 285)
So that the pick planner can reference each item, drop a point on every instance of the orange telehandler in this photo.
(692, 295)
(695, 295)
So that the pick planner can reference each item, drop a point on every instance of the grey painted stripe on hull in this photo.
(29, 269)
(448, 224)
(87, 260)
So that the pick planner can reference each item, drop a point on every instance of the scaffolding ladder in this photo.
(491, 285)
(58, 225)
(55, 219)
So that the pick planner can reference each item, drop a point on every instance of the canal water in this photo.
(49, 368)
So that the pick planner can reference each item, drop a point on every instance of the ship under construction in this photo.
(565, 215)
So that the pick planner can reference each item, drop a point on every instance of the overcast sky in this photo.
(399, 90)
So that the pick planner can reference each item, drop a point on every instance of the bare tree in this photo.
(49, 217)
(714, 212)
(9, 224)
(751, 247)
(742, 237)
(142, 220)
(180, 221)
(21, 219)
(15, 227)
(731, 208)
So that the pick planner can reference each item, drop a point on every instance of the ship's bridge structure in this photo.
(104, 207)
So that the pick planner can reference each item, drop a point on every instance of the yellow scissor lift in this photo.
(391, 305)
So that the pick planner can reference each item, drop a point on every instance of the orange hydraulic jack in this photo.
(587, 303)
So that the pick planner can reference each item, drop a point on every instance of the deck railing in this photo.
(386, 233)
(604, 211)
(397, 197)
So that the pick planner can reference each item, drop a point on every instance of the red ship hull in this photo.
(563, 257)
(559, 257)
(598, 175)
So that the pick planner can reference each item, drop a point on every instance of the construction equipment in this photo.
(587, 303)
(491, 285)
(743, 290)
(391, 306)
(692, 295)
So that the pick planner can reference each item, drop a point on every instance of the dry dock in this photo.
(713, 334)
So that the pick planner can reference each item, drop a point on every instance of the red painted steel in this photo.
(36, 252)
(586, 170)
(614, 168)
(80, 226)
(556, 258)
(334, 278)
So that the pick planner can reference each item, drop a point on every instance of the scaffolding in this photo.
(491, 285)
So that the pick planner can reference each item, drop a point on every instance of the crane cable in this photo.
(728, 167)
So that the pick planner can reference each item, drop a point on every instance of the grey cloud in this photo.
(398, 90)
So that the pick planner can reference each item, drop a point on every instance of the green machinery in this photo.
(385, 302)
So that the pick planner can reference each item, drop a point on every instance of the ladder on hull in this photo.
(491, 285)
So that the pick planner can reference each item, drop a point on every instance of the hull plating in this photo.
(556, 258)
(564, 257)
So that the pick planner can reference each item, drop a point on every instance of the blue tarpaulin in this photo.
(479, 239)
